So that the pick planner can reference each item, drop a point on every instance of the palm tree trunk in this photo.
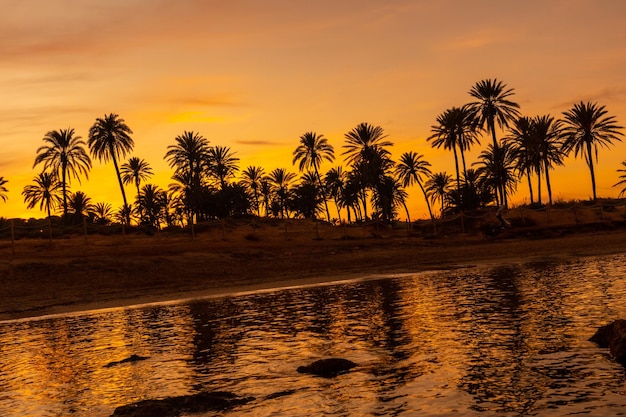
(591, 170)
(63, 176)
(338, 210)
(323, 189)
(539, 186)
(458, 177)
(49, 222)
(119, 180)
(548, 183)
(364, 202)
(430, 212)
(464, 167)
(530, 186)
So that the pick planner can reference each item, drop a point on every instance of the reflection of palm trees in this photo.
(3, 189)
(109, 138)
(437, 187)
(311, 152)
(586, 128)
(410, 170)
(64, 153)
(251, 179)
(46, 192)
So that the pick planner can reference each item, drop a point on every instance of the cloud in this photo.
(607, 95)
(258, 142)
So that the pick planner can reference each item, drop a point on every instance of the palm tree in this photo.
(64, 153)
(135, 171)
(410, 170)
(547, 134)
(492, 105)
(525, 149)
(622, 178)
(152, 203)
(335, 181)
(586, 128)
(187, 157)
(311, 152)
(222, 163)
(81, 206)
(109, 138)
(3, 189)
(446, 134)
(252, 177)
(497, 167)
(281, 179)
(437, 187)
(102, 213)
(266, 192)
(366, 153)
(46, 192)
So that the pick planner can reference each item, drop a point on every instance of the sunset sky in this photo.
(255, 75)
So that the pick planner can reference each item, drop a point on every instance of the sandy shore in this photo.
(112, 271)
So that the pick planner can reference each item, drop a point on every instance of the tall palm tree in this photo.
(187, 157)
(437, 187)
(547, 133)
(136, 170)
(3, 189)
(46, 191)
(266, 191)
(335, 181)
(281, 179)
(64, 153)
(251, 179)
(622, 179)
(492, 105)
(366, 152)
(523, 142)
(497, 167)
(411, 169)
(222, 163)
(109, 138)
(587, 127)
(310, 153)
(446, 134)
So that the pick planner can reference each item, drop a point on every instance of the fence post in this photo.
(12, 237)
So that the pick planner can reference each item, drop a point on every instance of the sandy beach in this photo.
(76, 274)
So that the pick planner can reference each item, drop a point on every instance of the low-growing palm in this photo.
(281, 180)
(103, 213)
(45, 192)
(136, 170)
(80, 205)
(251, 179)
(437, 187)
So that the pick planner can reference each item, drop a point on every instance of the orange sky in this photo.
(255, 75)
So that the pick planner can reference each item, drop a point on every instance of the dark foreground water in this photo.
(506, 341)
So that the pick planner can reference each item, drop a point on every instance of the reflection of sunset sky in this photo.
(256, 75)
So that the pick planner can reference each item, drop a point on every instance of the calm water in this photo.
(509, 340)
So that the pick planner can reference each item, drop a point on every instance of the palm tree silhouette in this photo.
(446, 134)
(80, 205)
(222, 163)
(586, 128)
(622, 180)
(523, 143)
(366, 153)
(46, 191)
(310, 153)
(134, 171)
(187, 156)
(109, 138)
(437, 187)
(251, 179)
(547, 133)
(152, 203)
(492, 106)
(64, 153)
(497, 167)
(335, 181)
(102, 213)
(410, 170)
(281, 179)
(3, 189)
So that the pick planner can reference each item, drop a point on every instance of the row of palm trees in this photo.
(371, 185)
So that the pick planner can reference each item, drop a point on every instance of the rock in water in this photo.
(328, 368)
(613, 336)
(130, 359)
(175, 406)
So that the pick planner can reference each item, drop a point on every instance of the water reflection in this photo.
(509, 339)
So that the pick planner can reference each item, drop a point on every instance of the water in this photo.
(508, 340)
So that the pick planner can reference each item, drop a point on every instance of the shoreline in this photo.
(72, 277)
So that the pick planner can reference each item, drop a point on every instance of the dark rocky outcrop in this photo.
(328, 368)
(175, 406)
(130, 359)
(613, 336)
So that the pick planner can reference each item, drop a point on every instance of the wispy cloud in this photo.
(258, 142)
